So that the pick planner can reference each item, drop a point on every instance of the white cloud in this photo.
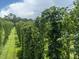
(26, 8)
(63, 3)
(31, 8)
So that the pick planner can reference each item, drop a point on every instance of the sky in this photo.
(29, 8)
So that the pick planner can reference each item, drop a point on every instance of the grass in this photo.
(10, 50)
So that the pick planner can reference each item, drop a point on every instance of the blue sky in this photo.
(4, 3)
(29, 8)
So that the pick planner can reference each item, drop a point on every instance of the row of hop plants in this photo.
(53, 35)
(5, 29)
(29, 38)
